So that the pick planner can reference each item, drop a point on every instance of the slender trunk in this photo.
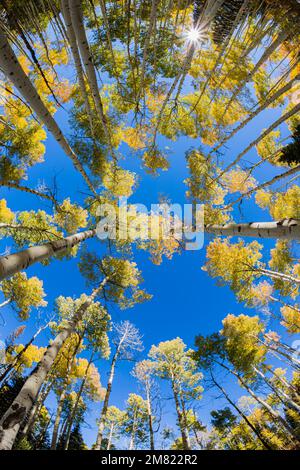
(19, 355)
(276, 178)
(16, 25)
(111, 431)
(33, 414)
(63, 429)
(106, 401)
(258, 110)
(42, 435)
(108, 35)
(150, 418)
(288, 229)
(286, 384)
(220, 55)
(12, 264)
(6, 302)
(279, 393)
(291, 360)
(58, 415)
(13, 418)
(266, 55)
(133, 433)
(292, 307)
(240, 412)
(290, 353)
(202, 25)
(13, 71)
(74, 409)
(65, 8)
(277, 275)
(273, 126)
(180, 419)
(152, 20)
(275, 415)
(168, 96)
(184, 418)
(87, 59)
(64, 392)
(9, 184)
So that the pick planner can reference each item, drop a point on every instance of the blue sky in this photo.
(186, 301)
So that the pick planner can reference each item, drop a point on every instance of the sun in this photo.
(193, 36)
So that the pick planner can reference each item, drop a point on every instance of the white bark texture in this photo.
(13, 71)
(87, 59)
(11, 421)
(265, 56)
(287, 229)
(274, 97)
(11, 264)
(273, 126)
(65, 8)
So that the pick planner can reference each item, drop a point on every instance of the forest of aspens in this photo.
(150, 225)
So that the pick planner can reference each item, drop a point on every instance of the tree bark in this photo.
(276, 178)
(273, 126)
(58, 416)
(266, 55)
(6, 302)
(13, 71)
(65, 8)
(277, 417)
(133, 433)
(277, 275)
(74, 409)
(19, 355)
(251, 426)
(180, 420)
(261, 108)
(87, 59)
(150, 419)
(40, 399)
(110, 437)
(283, 397)
(106, 401)
(11, 421)
(286, 229)
(12, 264)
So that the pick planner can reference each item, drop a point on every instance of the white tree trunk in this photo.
(278, 392)
(6, 302)
(109, 441)
(288, 229)
(11, 264)
(275, 414)
(152, 20)
(11, 421)
(65, 8)
(277, 275)
(258, 110)
(276, 178)
(12, 69)
(106, 402)
(87, 59)
(25, 189)
(266, 55)
(273, 126)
